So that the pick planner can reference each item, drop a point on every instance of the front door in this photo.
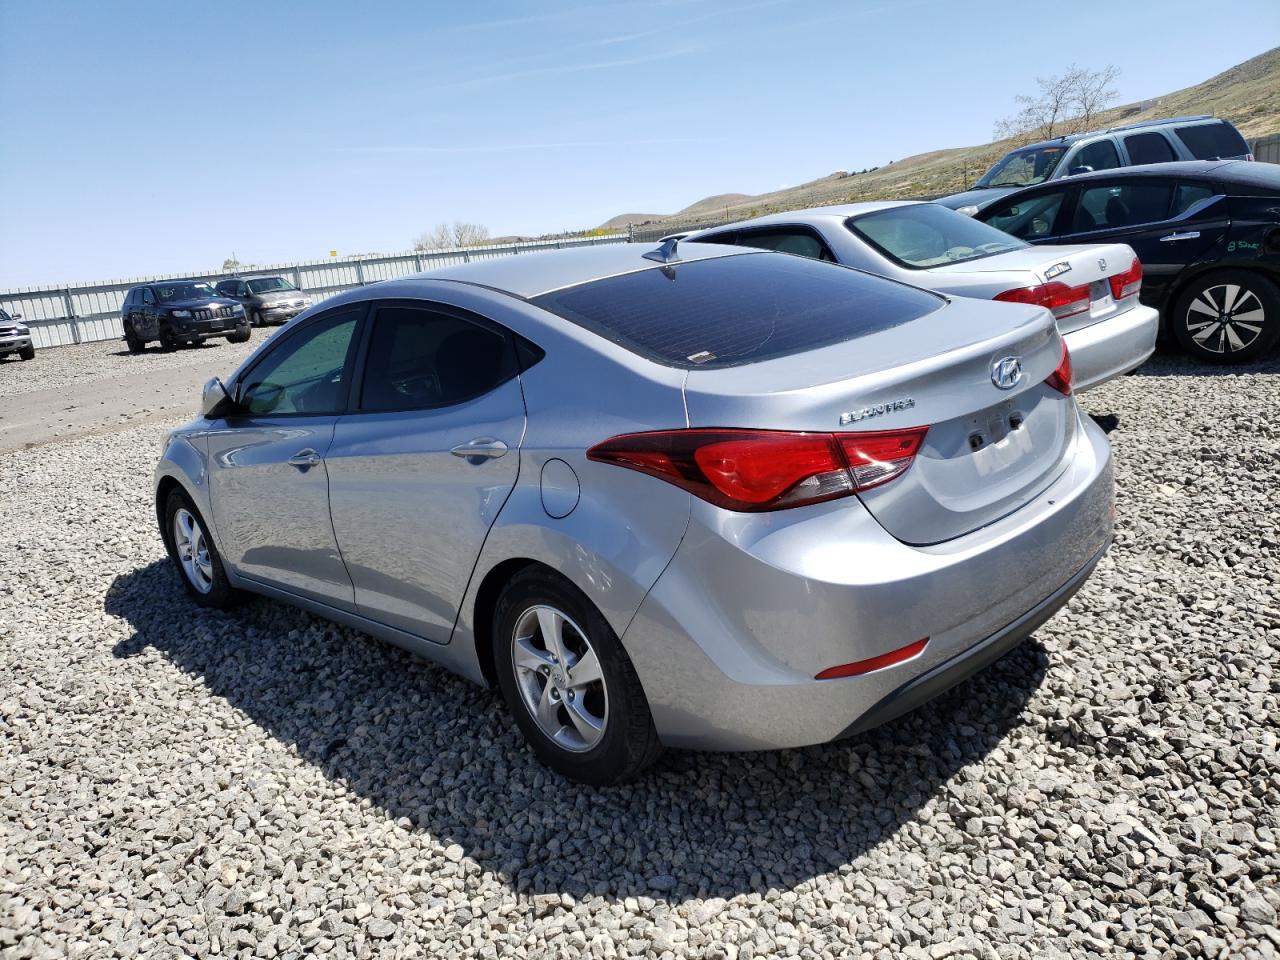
(421, 466)
(268, 481)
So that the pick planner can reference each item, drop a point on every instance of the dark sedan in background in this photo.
(1207, 233)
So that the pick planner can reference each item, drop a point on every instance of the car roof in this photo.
(840, 211)
(1175, 168)
(530, 275)
(1068, 138)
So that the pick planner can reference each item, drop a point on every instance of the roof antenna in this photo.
(665, 253)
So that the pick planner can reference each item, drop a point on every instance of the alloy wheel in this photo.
(192, 547)
(559, 677)
(1225, 318)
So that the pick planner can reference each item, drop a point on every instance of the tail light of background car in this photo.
(758, 470)
(1128, 283)
(1063, 301)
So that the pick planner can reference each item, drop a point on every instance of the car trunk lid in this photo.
(988, 450)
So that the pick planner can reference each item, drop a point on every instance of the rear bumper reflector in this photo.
(859, 667)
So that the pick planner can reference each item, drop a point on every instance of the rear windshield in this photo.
(923, 235)
(731, 311)
(1213, 141)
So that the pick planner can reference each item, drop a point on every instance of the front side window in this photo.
(801, 243)
(178, 292)
(1029, 218)
(1122, 205)
(1213, 141)
(1148, 148)
(305, 374)
(419, 358)
(269, 285)
(738, 309)
(1023, 168)
(1099, 155)
(925, 235)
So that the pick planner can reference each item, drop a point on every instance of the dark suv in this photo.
(178, 312)
(265, 299)
(1135, 144)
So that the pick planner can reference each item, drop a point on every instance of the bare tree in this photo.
(1066, 104)
(445, 236)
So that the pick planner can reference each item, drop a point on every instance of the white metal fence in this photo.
(84, 312)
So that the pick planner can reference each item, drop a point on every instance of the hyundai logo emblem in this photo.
(1006, 372)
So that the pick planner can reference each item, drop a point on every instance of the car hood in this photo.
(199, 303)
(275, 296)
(975, 198)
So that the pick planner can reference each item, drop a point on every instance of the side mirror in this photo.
(1083, 168)
(215, 401)
(15, 316)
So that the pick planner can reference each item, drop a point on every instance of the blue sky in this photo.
(140, 138)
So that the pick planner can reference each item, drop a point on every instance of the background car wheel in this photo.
(134, 344)
(241, 335)
(255, 319)
(27, 353)
(568, 682)
(168, 342)
(194, 554)
(1230, 316)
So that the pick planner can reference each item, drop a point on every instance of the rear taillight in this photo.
(1060, 379)
(1062, 300)
(1128, 283)
(756, 470)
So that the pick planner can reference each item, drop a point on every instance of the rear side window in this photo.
(1148, 148)
(801, 243)
(1187, 195)
(737, 310)
(420, 359)
(1213, 141)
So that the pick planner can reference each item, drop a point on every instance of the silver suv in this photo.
(1152, 141)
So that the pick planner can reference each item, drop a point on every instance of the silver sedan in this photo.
(700, 496)
(1092, 289)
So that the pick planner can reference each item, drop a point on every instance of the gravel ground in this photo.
(176, 782)
(64, 366)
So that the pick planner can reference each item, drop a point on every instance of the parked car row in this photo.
(178, 313)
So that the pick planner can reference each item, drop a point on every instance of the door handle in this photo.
(305, 459)
(481, 448)
(1174, 237)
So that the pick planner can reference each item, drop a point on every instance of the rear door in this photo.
(1169, 222)
(421, 466)
(268, 480)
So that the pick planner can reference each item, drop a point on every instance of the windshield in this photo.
(270, 285)
(176, 292)
(1022, 168)
(928, 235)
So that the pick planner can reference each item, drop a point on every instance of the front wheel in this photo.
(1230, 316)
(568, 682)
(195, 555)
(240, 336)
(27, 353)
(168, 342)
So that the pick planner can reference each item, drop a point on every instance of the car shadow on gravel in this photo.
(422, 744)
(1169, 364)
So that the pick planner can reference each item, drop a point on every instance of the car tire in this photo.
(168, 342)
(1236, 295)
(255, 319)
(595, 729)
(27, 353)
(241, 334)
(194, 554)
(133, 342)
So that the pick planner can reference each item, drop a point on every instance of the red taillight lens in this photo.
(859, 667)
(1128, 283)
(1060, 379)
(1062, 300)
(755, 470)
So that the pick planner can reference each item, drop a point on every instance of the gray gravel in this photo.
(176, 782)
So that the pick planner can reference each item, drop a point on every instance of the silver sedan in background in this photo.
(1091, 289)
(703, 496)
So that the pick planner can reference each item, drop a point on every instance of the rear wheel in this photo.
(27, 353)
(1230, 316)
(568, 682)
(194, 554)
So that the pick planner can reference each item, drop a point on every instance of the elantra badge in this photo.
(1006, 372)
(879, 409)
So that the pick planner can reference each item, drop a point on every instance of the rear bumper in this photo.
(730, 638)
(1111, 348)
